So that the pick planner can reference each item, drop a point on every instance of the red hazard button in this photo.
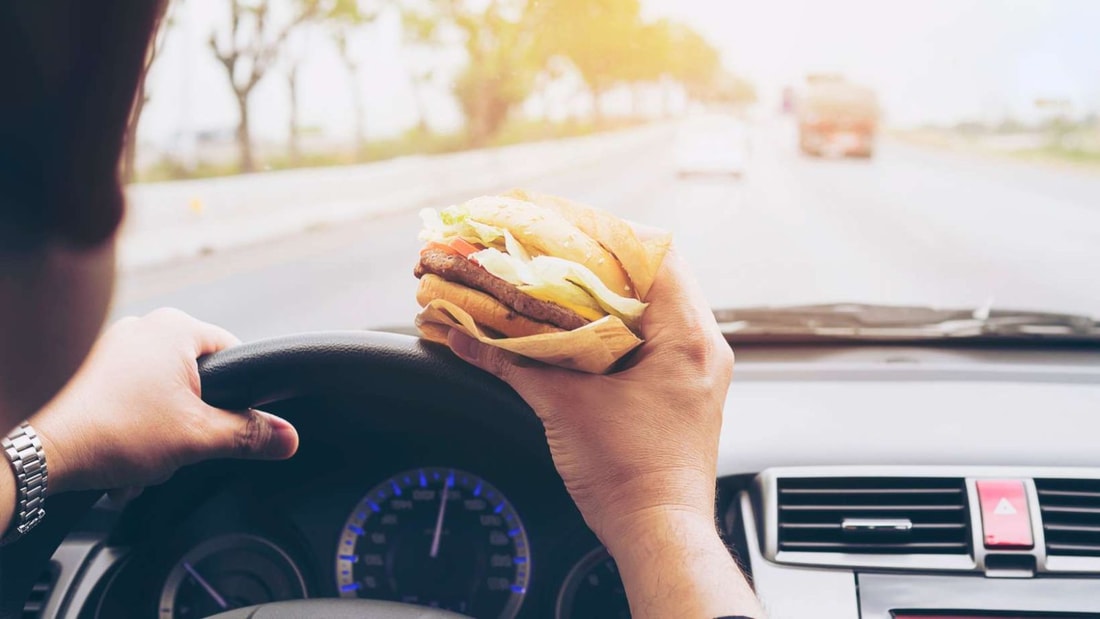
(1005, 520)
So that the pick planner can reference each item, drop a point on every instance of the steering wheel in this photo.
(394, 368)
(337, 609)
(389, 366)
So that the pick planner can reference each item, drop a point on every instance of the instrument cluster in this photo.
(438, 536)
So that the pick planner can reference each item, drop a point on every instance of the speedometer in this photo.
(436, 537)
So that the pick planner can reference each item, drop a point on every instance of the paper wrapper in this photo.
(593, 348)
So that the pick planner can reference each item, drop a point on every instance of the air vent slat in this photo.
(874, 508)
(1061, 509)
(1073, 528)
(916, 527)
(911, 548)
(1071, 516)
(872, 491)
(874, 515)
(1076, 494)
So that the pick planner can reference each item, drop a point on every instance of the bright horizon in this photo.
(930, 61)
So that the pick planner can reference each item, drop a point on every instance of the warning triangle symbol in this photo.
(1004, 508)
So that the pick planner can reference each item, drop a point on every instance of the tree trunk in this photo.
(360, 138)
(244, 134)
(636, 94)
(357, 106)
(294, 147)
(597, 108)
(666, 100)
(421, 110)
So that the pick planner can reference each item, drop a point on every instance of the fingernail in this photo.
(463, 345)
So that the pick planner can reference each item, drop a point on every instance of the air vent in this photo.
(1071, 515)
(40, 593)
(877, 515)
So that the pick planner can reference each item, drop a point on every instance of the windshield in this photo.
(937, 153)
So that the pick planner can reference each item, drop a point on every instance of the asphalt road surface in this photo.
(911, 226)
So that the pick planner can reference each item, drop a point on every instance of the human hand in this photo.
(638, 451)
(133, 414)
(644, 440)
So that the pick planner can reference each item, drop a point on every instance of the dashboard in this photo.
(392, 498)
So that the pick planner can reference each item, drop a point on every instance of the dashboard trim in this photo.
(882, 593)
(79, 592)
(758, 371)
(821, 593)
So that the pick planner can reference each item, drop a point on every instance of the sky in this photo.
(931, 61)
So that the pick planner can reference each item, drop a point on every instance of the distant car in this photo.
(712, 148)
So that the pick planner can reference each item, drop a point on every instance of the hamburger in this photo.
(526, 264)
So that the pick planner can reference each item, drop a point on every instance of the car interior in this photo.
(836, 174)
(854, 481)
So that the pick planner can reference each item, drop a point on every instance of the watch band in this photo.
(24, 450)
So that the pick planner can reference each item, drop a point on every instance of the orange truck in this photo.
(836, 118)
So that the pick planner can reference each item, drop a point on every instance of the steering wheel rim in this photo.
(256, 373)
(387, 365)
(338, 609)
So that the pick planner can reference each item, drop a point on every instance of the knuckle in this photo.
(696, 351)
(497, 362)
(251, 436)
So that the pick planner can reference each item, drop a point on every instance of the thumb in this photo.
(250, 434)
(529, 381)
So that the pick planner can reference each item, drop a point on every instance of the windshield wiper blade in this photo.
(886, 322)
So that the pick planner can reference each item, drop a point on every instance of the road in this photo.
(912, 226)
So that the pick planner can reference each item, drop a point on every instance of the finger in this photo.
(247, 434)
(529, 380)
(203, 337)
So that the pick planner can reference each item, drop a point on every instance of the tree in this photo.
(293, 62)
(421, 35)
(730, 88)
(600, 37)
(693, 61)
(129, 155)
(346, 17)
(248, 50)
(649, 59)
(502, 58)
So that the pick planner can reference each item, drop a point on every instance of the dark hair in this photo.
(68, 74)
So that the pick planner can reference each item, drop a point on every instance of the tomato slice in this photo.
(464, 248)
(438, 246)
(456, 246)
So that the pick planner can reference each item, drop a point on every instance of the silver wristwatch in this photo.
(28, 460)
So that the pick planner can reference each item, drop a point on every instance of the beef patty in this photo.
(455, 268)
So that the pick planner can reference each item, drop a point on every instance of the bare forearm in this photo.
(678, 566)
(7, 496)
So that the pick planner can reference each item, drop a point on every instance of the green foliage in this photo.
(602, 38)
(500, 41)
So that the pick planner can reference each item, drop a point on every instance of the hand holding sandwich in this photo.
(638, 450)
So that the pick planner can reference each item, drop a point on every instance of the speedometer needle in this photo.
(439, 521)
(205, 585)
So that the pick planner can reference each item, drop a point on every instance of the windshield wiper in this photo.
(900, 323)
